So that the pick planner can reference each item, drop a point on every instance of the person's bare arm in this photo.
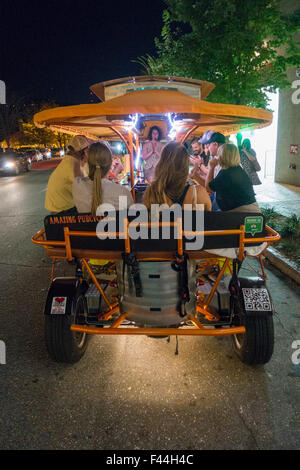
(210, 174)
(203, 198)
(77, 167)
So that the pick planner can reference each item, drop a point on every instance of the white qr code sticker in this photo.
(58, 306)
(257, 299)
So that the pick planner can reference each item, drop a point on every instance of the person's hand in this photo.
(194, 160)
(154, 145)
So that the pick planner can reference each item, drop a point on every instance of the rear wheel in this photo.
(63, 344)
(256, 345)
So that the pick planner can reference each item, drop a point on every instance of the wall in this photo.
(288, 123)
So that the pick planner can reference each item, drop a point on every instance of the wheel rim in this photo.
(80, 310)
(80, 339)
(238, 338)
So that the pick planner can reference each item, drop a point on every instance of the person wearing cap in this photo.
(213, 140)
(59, 197)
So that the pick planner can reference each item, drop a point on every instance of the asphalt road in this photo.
(131, 392)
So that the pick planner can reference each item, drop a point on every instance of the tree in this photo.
(10, 115)
(32, 135)
(243, 46)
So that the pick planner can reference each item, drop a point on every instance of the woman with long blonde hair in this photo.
(170, 183)
(92, 191)
(234, 190)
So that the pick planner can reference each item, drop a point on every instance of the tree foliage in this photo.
(10, 115)
(243, 46)
(17, 127)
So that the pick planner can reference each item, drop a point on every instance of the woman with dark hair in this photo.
(171, 180)
(249, 161)
(151, 152)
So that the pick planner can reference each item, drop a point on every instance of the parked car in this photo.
(12, 162)
(46, 153)
(57, 152)
(34, 155)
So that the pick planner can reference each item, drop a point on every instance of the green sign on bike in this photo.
(253, 225)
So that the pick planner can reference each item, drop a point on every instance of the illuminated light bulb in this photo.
(174, 127)
(137, 160)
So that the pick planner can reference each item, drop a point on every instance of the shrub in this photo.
(290, 227)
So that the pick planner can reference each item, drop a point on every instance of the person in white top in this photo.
(92, 191)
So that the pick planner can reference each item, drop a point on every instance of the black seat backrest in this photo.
(213, 221)
(55, 224)
(228, 221)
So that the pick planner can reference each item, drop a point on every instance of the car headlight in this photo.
(9, 165)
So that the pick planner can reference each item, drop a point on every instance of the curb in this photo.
(288, 267)
(46, 164)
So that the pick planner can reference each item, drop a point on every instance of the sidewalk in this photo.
(284, 198)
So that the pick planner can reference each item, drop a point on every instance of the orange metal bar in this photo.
(130, 138)
(241, 243)
(127, 239)
(265, 277)
(118, 321)
(196, 322)
(110, 313)
(206, 313)
(68, 244)
(113, 128)
(214, 288)
(39, 239)
(179, 235)
(186, 136)
(52, 269)
(160, 331)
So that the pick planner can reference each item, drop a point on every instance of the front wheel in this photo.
(256, 345)
(64, 345)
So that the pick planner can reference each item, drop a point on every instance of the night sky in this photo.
(54, 50)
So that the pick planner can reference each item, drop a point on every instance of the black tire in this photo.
(64, 345)
(257, 344)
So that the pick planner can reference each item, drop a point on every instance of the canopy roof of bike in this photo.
(137, 108)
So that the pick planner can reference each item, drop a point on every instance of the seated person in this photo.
(59, 196)
(199, 159)
(94, 190)
(170, 182)
(234, 190)
(116, 170)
